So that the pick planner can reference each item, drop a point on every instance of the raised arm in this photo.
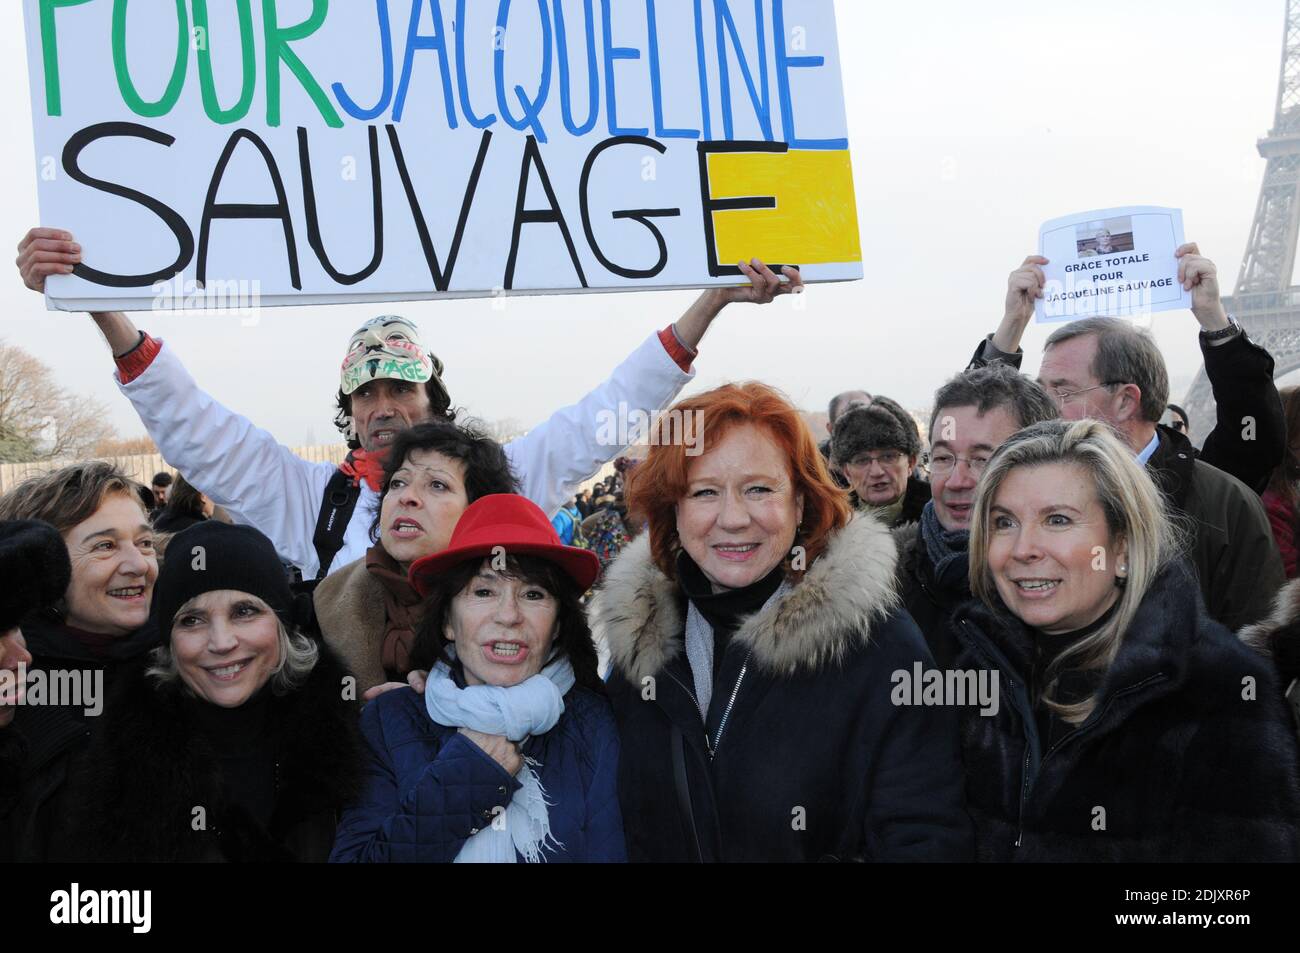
(556, 456)
(1024, 286)
(240, 466)
(1249, 436)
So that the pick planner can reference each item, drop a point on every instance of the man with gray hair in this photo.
(974, 414)
(1107, 369)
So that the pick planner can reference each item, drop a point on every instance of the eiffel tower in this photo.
(1264, 300)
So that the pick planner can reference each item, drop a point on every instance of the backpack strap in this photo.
(341, 495)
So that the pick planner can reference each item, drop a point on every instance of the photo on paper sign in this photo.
(1105, 237)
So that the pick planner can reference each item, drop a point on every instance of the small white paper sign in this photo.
(1116, 262)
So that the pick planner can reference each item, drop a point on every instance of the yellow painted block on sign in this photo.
(816, 217)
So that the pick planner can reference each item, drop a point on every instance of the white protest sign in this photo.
(318, 152)
(1117, 262)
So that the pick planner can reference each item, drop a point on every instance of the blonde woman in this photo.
(1132, 727)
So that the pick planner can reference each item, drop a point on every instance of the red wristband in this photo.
(137, 360)
(679, 352)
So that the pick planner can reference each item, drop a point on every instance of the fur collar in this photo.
(1262, 636)
(638, 612)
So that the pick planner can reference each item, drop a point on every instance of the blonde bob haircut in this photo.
(298, 655)
(1135, 512)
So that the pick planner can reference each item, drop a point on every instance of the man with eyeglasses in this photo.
(974, 413)
(1107, 369)
(876, 447)
(1249, 436)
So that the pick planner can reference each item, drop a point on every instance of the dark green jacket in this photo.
(1232, 546)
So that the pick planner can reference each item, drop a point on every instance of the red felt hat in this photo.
(519, 527)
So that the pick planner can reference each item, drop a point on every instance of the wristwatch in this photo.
(1223, 334)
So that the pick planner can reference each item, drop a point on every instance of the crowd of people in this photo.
(1041, 626)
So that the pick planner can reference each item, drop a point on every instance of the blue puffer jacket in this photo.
(428, 787)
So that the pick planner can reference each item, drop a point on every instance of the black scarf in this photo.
(242, 740)
(725, 610)
(947, 549)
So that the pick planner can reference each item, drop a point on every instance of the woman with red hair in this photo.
(756, 645)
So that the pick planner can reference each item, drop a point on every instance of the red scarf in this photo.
(403, 609)
(363, 465)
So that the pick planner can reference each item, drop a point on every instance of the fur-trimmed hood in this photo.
(638, 611)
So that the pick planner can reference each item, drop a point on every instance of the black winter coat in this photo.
(1183, 759)
(914, 500)
(803, 756)
(1249, 436)
(46, 744)
(149, 767)
(930, 603)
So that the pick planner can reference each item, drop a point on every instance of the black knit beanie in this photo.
(35, 569)
(880, 425)
(212, 555)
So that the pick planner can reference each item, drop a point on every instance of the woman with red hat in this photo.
(510, 754)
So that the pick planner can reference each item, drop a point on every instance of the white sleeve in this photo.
(239, 466)
(556, 456)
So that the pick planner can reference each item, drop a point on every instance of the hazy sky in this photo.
(970, 124)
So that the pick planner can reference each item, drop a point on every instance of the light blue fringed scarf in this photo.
(530, 708)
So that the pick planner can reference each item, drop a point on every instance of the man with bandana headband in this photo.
(388, 381)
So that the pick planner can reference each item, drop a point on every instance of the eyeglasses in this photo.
(1065, 396)
(945, 462)
(887, 459)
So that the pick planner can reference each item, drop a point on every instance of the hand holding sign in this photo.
(44, 252)
(764, 287)
(1024, 288)
(1198, 275)
(764, 284)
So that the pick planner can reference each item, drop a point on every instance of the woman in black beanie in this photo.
(238, 739)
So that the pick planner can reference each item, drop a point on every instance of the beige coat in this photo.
(351, 615)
